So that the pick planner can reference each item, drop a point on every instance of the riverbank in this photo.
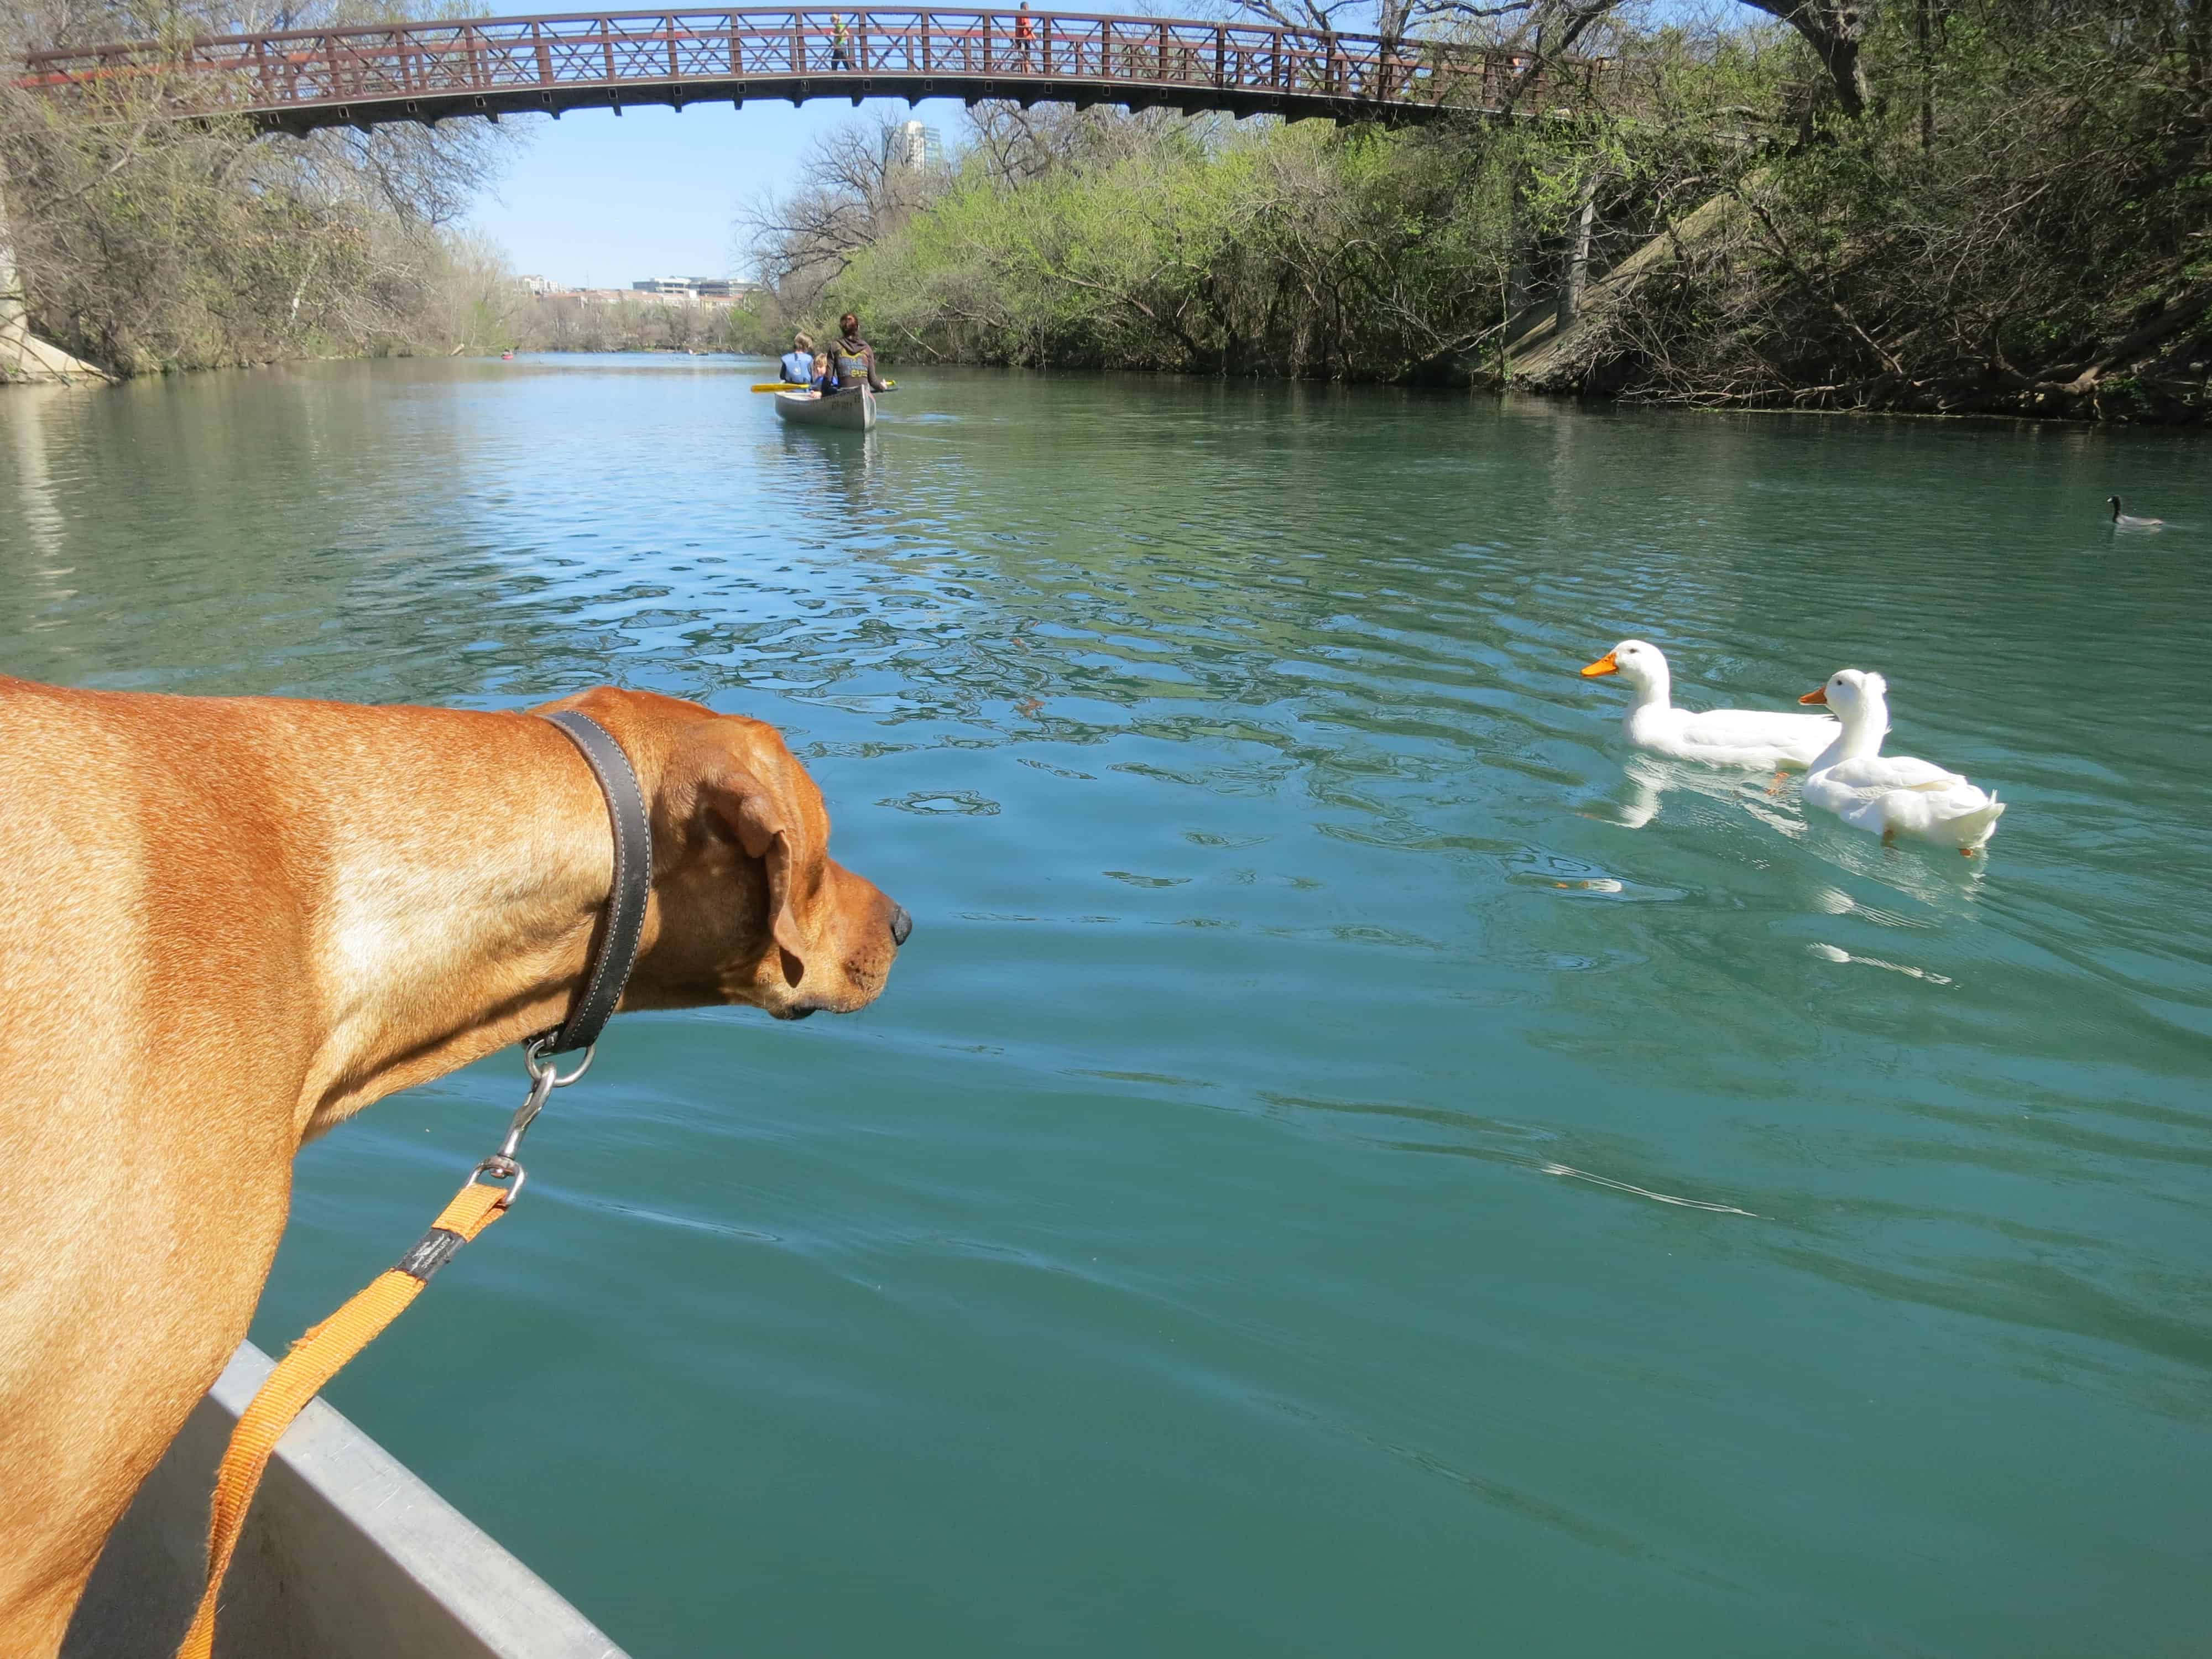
(1541, 377)
(2018, 220)
(2140, 362)
(145, 244)
(1704, 304)
(2010, 214)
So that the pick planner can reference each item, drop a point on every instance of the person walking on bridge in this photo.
(1025, 33)
(841, 39)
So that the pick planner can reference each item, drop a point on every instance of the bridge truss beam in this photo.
(295, 81)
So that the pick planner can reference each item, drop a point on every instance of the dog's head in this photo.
(747, 907)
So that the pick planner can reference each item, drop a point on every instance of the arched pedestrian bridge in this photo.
(296, 80)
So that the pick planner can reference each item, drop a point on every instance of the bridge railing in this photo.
(305, 70)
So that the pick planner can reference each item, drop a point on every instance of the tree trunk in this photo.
(1578, 271)
(1834, 29)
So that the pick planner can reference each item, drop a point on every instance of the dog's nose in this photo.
(901, 924)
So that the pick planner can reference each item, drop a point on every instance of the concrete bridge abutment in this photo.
(24, 359)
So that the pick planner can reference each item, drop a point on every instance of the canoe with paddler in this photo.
(841, 383)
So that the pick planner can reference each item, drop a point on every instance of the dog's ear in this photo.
(753, 815)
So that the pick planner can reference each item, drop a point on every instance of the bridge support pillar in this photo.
(24, 357)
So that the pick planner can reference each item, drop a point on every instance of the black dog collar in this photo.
(617, 953)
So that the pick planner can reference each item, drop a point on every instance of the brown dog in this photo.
(228, 924)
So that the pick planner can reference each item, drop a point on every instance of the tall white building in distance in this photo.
(917, 147)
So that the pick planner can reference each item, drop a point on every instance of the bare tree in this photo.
(1534, 35)
(855, 187)
(1545, 30)
(152, 242)
(1552, 22)
(1017, 145)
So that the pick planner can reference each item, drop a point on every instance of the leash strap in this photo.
(618, 952)
(315, 1358)
(323, 1351)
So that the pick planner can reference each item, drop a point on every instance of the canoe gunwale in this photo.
(347, 1555)
(831, 410)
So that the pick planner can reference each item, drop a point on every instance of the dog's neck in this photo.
(461, 919)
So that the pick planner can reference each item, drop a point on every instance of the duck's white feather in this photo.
(1892, 794)
(1731, 737)
(1888, 772)
(1765, 739)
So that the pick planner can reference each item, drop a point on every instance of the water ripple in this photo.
(1165, 1245)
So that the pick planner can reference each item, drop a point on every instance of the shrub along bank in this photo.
(147, 244)
(1999, 205)
(2018, 219)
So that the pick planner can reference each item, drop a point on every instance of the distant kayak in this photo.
(855, 410)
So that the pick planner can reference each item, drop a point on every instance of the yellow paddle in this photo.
(786, 385)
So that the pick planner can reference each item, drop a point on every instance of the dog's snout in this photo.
(901, 924)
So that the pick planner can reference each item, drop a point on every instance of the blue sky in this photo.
(600, 199)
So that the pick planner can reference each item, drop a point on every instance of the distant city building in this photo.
(916, 146)
(539, 285)
(597, 296)
(713, 292)
(697, 288)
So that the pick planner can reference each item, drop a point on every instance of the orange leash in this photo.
(323, 1350)
(315, 1358)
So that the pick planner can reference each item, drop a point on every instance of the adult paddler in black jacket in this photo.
(852, 359)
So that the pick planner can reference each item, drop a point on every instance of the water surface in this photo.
(1352, 1161)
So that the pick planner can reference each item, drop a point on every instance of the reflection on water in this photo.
(1351, 1157)
(37, 515)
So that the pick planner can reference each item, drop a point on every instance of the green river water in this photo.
(1351, 1162)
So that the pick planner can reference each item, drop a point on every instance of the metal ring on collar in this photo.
(541, 1066)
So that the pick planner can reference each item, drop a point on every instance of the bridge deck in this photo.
(296, 80)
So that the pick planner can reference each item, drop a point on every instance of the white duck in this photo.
(1719, 737)
(1891, 795)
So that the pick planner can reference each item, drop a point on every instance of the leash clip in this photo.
(545, 1076)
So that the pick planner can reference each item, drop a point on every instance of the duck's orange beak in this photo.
(1818, 694)
(1604, 664)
